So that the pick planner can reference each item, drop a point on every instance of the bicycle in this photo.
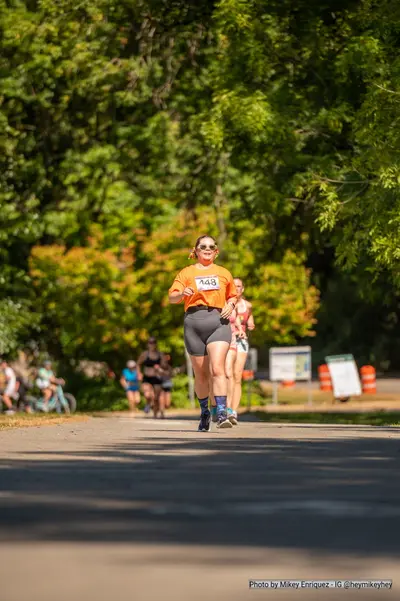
(60, 402)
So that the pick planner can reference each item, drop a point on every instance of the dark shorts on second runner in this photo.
(151, 380)
(167, 385)
(203, 327)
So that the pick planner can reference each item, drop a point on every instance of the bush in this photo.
(180, 398)
(95, 394)
(106, 394)
(180, 393)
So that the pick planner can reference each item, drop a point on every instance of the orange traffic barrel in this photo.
(248, 374)
(325, 382)
(288, 383)
(368, 379)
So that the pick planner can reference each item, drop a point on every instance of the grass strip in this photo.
(372, 418)
(25, 420)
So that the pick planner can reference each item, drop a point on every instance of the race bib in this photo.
(210, 282)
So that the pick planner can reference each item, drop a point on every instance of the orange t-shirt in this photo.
(212, 286)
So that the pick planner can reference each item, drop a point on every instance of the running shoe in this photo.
(232, 417)
(223, 422)
(147, 409)
(214, 416)
(205, 419)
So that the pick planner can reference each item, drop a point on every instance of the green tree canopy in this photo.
(127, 126)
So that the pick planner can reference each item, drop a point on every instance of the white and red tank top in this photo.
(243, 315)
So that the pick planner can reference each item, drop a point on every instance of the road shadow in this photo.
(325, 495)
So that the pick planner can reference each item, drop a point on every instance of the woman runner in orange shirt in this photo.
(209, 295)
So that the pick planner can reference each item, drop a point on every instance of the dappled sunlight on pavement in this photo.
(145, 509)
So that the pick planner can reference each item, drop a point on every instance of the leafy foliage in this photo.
(102, 304)
(128, 128)
(16, 323)
(327, 77)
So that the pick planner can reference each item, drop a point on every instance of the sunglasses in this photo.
(205, 247)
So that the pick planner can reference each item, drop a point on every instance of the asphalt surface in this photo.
(121, 508)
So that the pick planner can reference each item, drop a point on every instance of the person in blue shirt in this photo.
(130, 381)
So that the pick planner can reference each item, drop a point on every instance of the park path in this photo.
(118, 508)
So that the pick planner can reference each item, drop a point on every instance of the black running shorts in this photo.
(152, 380)
(203, 327)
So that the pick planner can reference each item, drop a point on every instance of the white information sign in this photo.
(290, 363)
(344, 375)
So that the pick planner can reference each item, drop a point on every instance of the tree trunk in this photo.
(220, 203)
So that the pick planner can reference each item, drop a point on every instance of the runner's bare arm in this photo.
(180, 288)
(176, 296)
(142, 357)
(139, 372)
(250, 323)
(163, 362)
(165, 367)
(227, 310)
(231, 298)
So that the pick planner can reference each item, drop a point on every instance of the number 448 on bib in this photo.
(210, 282)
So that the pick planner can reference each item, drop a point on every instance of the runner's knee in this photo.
(218, 371)
(201, 374)
(238, 377)
(229, 372)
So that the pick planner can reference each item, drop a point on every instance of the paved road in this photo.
(129, 509)
(384, 385)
